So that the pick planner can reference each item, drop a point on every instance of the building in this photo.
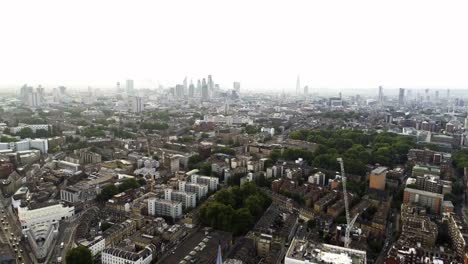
(129, 86)
(236, 86)
(306, 252)
(33, 127)
(201, 190)
(401, 96)
(164, 207)
(433, 184)
(212, 182)
(458, 241)
(96, 246)
(70, 195)
(40, 222)
(188, 199)
(120, 256)
(431, 200)
(137, 104)
(318, 178)
(377, 178)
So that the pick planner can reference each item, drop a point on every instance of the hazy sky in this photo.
(261, 43)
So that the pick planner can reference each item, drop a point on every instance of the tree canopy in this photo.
(79, 255)
(355, 147)
(235, 209)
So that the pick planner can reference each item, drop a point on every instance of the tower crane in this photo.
(349, 221)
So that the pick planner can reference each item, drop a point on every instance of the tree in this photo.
(42, 133)
(26, 133)
(79, 255)
(107, 193)
(127, 184)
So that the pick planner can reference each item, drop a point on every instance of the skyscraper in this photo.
(401, 96)
(298, 85)
(380, 94)
(236, 87)
(199, 88)
(204, 91)
(129, 86)
(137, 104)
(306, 90)
(191, 90)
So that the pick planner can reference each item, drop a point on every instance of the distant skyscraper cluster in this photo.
(205, 89)
(31, 97)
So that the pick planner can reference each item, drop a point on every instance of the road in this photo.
(11, 233)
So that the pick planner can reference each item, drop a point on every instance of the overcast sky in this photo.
(261, 43)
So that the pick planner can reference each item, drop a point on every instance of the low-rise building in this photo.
(120, 256)
(304, 252)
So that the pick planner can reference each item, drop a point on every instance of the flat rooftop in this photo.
(314, 252)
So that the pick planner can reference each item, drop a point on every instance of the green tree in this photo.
(79, 255)
(26, 133)
(127, 184)
(42, 133)
(107, 193)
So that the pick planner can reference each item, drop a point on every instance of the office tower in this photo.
(63, 90)
(380, 94)
(298, 85)
(210, 84)
(340, 96)
(137, 104)
(401, 96)
(205, 92)
(437, 95)
(427, 95)
(191, 90)
(34, 99)
(185, 83)
(448, 93)
(179, 91)
(199, 87)
(117, 87)
(306, 90)
(236, 87)
(129, 86)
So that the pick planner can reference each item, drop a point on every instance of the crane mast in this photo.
(349, 221)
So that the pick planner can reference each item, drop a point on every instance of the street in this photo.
(11, 233)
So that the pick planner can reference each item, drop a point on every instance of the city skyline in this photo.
(96, 44)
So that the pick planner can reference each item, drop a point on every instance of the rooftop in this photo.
(315, 252)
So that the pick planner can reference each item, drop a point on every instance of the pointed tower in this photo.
(298, 85)
(219, 258)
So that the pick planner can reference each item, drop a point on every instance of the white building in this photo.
(27, 144)
(96, 246)
(212, 182)
(34, 128)
(39, 144)
(188, 199)
(200, 189)
(164, 207)
(318, 178)
(40, 225)
(120, 256)
(69, 166)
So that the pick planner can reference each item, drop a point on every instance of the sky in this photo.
(264, 44)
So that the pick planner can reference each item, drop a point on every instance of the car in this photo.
(21, 251)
